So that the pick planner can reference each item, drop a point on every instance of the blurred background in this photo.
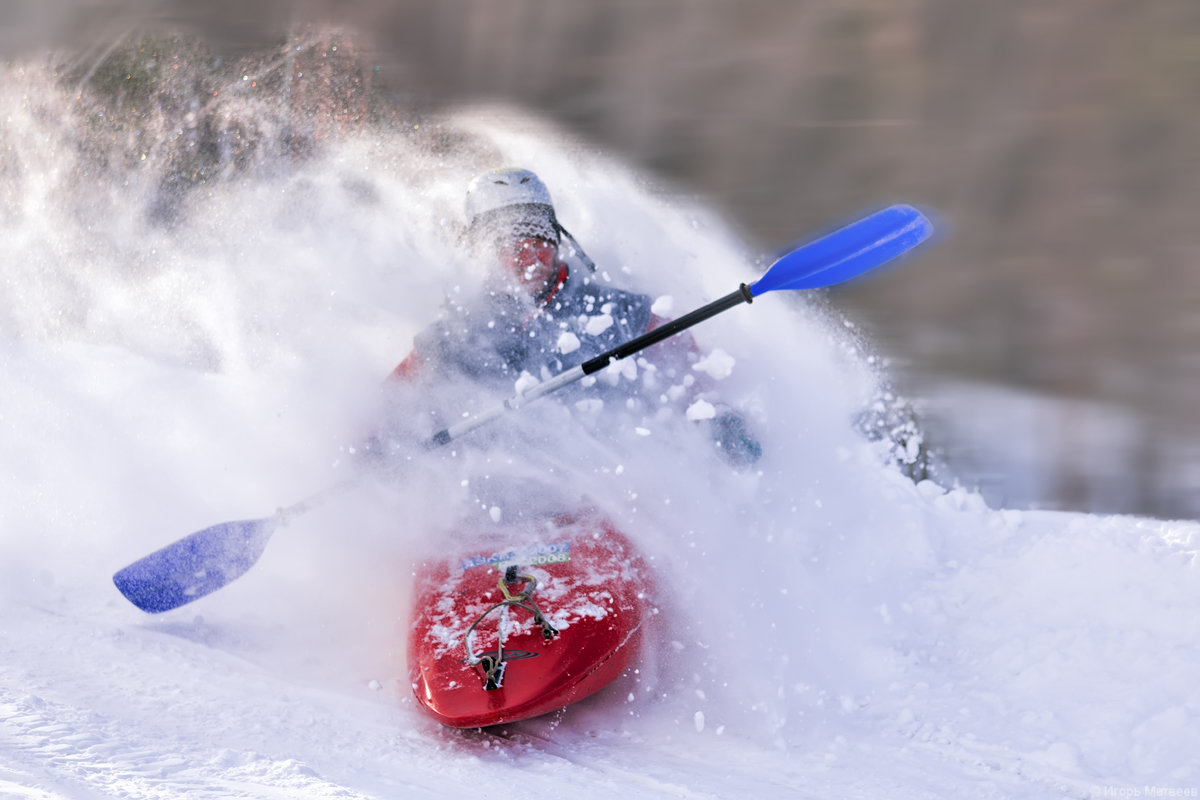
(1048, 341)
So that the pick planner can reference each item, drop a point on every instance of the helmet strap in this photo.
(579, 253)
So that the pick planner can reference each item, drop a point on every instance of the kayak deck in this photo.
(526, 620)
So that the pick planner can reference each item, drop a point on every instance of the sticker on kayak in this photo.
(508, 654)
(536, 556)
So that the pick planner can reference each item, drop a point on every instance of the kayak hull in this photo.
(526, 619)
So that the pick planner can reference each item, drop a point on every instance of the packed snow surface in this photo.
(828, 627)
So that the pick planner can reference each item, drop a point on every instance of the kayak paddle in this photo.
(207, 560)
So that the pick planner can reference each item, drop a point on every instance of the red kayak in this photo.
(524, 619)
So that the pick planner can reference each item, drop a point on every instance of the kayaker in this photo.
(539, 313)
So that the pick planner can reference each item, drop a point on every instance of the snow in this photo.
(524, 383)
(700, 409)
(567, 343)
(826, 628)
(598, 324)
(663, 306)
(717, 365)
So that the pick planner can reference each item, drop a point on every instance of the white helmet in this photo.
(501, 188)
(513, 203)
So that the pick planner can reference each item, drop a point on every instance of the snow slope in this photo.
(827, 628)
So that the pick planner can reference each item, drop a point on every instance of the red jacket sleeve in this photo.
(409, 368)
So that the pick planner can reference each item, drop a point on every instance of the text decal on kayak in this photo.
(536, 556)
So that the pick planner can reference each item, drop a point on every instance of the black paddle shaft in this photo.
(668, 329)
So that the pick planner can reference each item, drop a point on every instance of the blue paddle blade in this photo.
(195, 565)
(848, 252)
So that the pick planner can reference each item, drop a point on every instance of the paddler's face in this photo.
(530, 265)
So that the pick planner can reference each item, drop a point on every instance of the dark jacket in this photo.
(494, 341)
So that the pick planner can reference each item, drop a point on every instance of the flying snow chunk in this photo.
(567, 343)
(701, 409)
(663, 306)
(718, 365)
(525, 383)
(598, 324)
(622, 368)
